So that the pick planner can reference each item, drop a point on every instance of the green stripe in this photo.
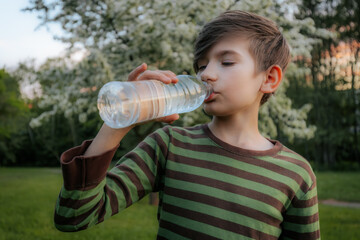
(228, 196)
(91, 219)
(170, 235)
(132, 188)
(310, 194)
(201, 227)
(289, 166)
(150, 160)
(295, 156)
(197, 141)
(191, 131)
(302, 228)
(164, 136)
(223, 214)
(234, 163)
(119, 194)
(234, 180)
(309, 211)
(108, 210)
(70, 212)
(144, 180)
(82, 194)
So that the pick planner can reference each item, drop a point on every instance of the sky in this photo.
(19, 39)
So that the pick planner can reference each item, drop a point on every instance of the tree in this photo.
(13, 109)
(120, 35)
(332, 82)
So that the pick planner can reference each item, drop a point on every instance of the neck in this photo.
(240, 129)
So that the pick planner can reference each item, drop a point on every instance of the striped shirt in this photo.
(208, 188)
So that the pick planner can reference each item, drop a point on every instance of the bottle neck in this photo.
(209, 89)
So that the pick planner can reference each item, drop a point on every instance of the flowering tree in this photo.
(119, 35)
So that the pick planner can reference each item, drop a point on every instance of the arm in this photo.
(107, 138)
(90, 194)
(301, 220)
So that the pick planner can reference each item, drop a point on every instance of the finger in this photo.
(137, 72)
(171, 75)
(156, 75)
(168, 119)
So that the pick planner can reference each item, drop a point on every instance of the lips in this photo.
(210, 98)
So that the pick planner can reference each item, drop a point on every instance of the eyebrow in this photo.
(226, 52)
(222, 53)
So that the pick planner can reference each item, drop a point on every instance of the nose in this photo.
(208, 74)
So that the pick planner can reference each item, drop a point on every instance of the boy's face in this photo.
(229, 67)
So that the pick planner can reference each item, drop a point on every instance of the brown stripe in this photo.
(227, 187)
(226, 205)
(300, 236)
(143, 166)
(73, 203)
(133, 178)
(113, 200)
(249, 160)
(188, 134)
(77, 219)
(185, 232)
(298, 163)
(101, 211)
(74, 230)
(83, 227)
(301, 219)
(217, 222)
(160, 142)
(160, 238)
(305, 203)
(282, 187)
(123, 187)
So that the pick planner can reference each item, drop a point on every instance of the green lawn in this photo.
(27, 201)
(344, 186)
(28, 195)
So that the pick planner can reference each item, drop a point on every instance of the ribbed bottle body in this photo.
(122, 104)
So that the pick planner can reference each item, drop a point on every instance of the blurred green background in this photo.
(315, 112)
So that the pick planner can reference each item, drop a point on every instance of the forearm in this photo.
(106, 139)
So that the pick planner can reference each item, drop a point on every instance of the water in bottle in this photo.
(122, 104)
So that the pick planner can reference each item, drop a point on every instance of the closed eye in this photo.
(227, 63)
(202, 67)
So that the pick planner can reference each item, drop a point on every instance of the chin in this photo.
(214, 112)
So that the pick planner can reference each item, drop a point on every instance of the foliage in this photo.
(332, 85)
(13, 113)
(120, 35)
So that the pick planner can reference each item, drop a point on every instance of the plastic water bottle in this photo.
(122, 104)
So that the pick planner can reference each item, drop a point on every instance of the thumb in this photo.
(137, 72)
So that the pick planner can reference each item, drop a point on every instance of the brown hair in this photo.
(267, 45)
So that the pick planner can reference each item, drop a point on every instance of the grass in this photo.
(342, 186)
(28, 195)
(27, 201)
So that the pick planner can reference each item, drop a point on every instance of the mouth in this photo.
(210, 98)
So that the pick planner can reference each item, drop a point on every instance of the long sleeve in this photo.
(301, 220)
(90, 194)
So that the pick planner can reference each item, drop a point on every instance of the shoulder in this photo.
(300, 166)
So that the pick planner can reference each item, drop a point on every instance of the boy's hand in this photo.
(167, 77)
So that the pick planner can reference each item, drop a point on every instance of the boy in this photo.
(220, 180)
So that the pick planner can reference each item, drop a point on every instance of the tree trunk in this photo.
(355, 103)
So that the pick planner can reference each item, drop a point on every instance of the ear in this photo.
(273, 79)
